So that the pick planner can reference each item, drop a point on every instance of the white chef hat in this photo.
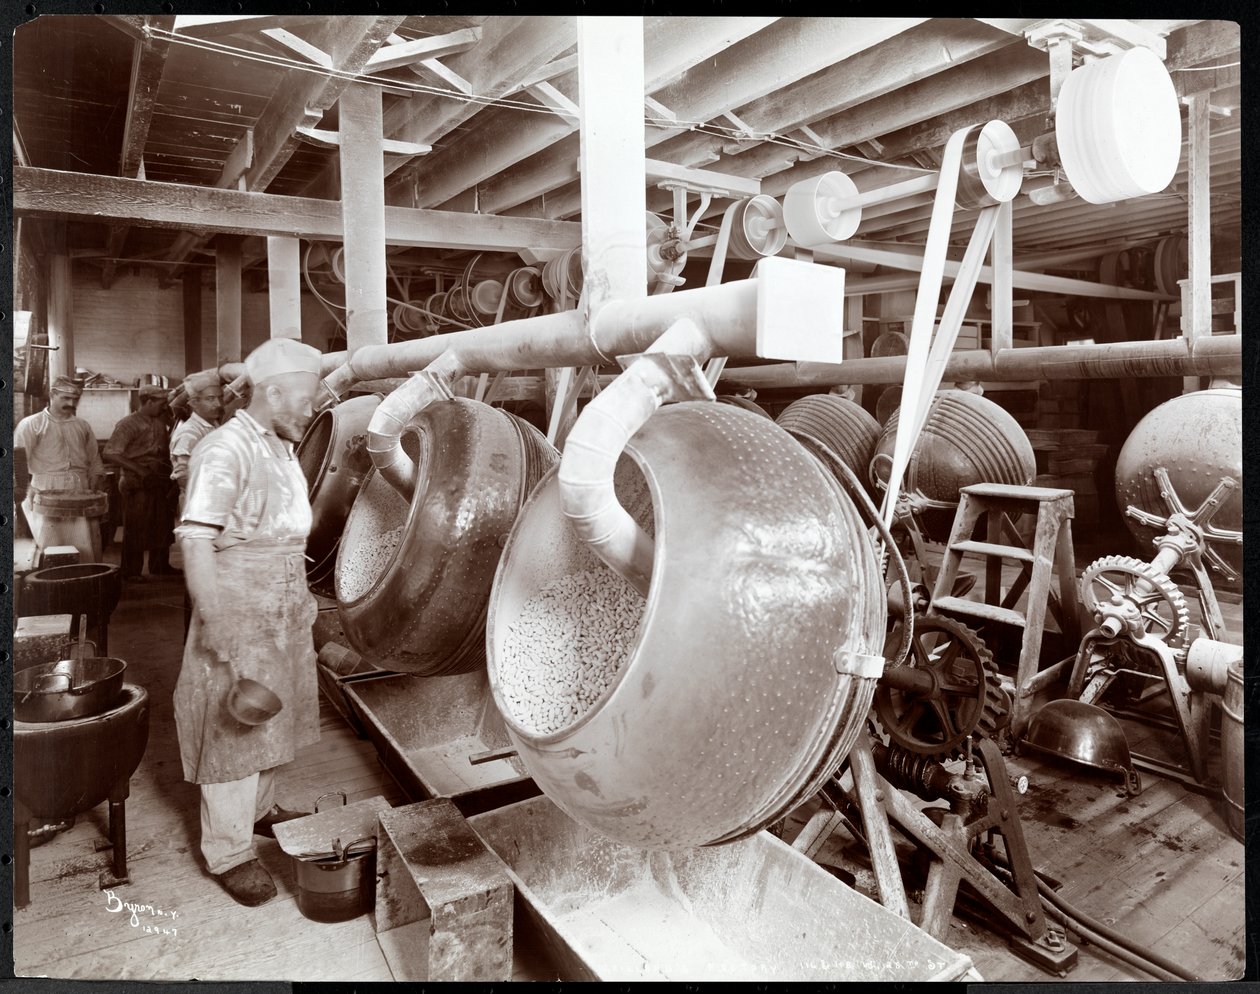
(194, 383)
(277, 356)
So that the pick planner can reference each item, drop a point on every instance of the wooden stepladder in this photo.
(999, 505)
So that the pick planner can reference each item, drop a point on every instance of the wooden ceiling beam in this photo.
(511, 48)
(671, 47)
(921, 52)
(148, 59)
(349, 42)
(49, 193)
(788, 50)
(225, 25)
(407, 53)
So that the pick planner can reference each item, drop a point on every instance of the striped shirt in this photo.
(245, 485)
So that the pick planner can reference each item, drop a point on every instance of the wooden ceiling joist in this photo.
(147, 62)
(49, 193)
(406, 53)
(349, 42)
(508, 137)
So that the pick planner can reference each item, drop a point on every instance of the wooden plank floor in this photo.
(1161, 867)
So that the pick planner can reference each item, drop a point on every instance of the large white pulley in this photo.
(524, 287)
(1118, 127)
(816, 210)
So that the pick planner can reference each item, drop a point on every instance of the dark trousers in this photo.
(146, 525)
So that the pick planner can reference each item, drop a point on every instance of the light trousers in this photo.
(228, 813)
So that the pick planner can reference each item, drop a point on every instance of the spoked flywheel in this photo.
(948, 692)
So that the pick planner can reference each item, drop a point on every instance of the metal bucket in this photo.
(69, 688)
(340, 884)
(338, 887)
(412, 581)
(1233, 746)
(730, 705)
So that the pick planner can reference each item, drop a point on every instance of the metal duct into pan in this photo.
(711, 709)
(412, 580)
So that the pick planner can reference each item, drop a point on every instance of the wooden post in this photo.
(1003, 260)
(284, 287)
(227, 297)
(614, 197)
(192, 322)
(854, 345)
(363, 216)
(60, 316)
(1197, 320)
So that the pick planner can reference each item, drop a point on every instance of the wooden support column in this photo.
(227, 295)
(1003, 260)
(853, 345)
(60, 316)
(192, 322)
(284, 287)
(363, 216)
(614, 198)
(1196, 292)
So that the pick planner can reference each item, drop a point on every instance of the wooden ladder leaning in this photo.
(1051, 552)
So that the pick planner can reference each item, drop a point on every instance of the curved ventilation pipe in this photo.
(667, 373)
(384, 433)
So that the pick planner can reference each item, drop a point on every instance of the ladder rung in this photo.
(977, 609)
(991, 549)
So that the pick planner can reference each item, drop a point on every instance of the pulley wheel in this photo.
(485, 297)
(456, 304)
(658, 236)
(980, 182)
(1172, 263)
(814, 211)
(1118, 127)
(890, 343)
(337, 260)
(759, 229)
(524, 287)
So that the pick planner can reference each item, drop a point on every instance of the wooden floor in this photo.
(1161, 867)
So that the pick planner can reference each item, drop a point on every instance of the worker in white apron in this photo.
(243, 536)
(61, 455)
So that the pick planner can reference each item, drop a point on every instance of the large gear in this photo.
(966, 698)
(1139, 593)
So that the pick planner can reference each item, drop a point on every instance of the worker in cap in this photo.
(203, 393)
(140, 447)
(205, 400)
(61, 454)
(243, 534)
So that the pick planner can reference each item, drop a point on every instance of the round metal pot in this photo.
(69, 688)
(729, 708)
(67, 767)
(841, 425)
(1197, 439)
(966, 439)
(336, 889)
(335, 462)
(413, 581)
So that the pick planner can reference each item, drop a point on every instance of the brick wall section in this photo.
(136, 327)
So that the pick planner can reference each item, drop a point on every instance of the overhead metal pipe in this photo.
(727, 312)
(1216, 356)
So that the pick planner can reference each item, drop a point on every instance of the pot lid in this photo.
(312, 837)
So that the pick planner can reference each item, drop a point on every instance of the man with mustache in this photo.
(243, 536)
(61, 454)
(139, 445)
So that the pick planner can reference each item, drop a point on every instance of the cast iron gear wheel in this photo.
(966, 699)
(1161, 604)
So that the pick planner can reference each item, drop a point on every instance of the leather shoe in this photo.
(249, 884)
(266, 824)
